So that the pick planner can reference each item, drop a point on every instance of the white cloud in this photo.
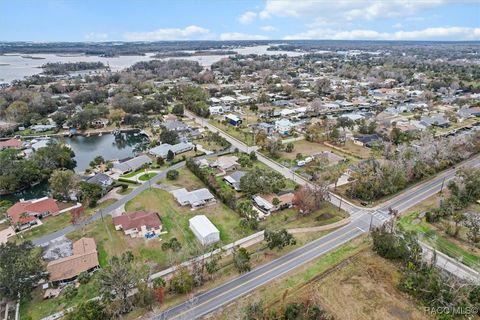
(188, 33)
(247, 17)
(446, 33)
(264, 14)
(268, 28)
(337, 11)
(241, 36)
(397, 25)
(96, 36)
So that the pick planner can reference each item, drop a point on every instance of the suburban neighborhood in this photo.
(191, 181)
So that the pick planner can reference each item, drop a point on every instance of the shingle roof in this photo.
(30, 208)
(84, 258)
(133, 164)
(192, 197)
(135, 220)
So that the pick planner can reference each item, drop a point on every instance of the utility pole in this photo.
(101, 214)
(443, 183)
(371, 221)
(340, 206)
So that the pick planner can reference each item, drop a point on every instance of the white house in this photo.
(283, 126)
(204, 230)
(216, 110)
(196, 199)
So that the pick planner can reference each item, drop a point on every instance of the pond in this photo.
(109, 146)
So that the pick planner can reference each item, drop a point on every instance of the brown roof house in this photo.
(264, 202)
(84, 259)
(24, 214)
(139, 224)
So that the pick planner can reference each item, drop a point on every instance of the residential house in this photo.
(463, 113)
(233, 179)
(283, 126)
(11, 143)
(163, 149)
(38, 144)
(138, 224)
(214, 110)
(204, 230)
(131, 164)
(436, 120)
(228, 101)
(264, 202)
(367, 140)
(233, 119)
(331, 157)
(24, 214)
(42, 127)
(175, 125)
(84, 259)
(101, 180)
(226, 163)
(196, 199)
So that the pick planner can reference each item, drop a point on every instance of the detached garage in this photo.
(204, 230)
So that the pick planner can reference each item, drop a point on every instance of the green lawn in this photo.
(132, 174)
(236, 132)
(147, 176)
(37, 308)
(50, 224)
(186, 179)
(175, 218)
(289, 218)
(438, 241)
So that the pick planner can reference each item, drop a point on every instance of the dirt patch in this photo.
(363, 288)
(324, 216)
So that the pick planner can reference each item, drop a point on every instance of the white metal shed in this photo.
(204, 230)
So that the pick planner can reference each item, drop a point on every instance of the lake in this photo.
(86, 148)
(16, 67)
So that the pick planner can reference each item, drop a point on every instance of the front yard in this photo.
(241, 134)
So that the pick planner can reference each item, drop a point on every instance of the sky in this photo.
(149, 20)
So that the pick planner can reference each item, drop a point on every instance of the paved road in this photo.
(362, 220)
(211, 300)
(107, 210)
(111, 208)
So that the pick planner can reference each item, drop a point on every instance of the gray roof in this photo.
(162, 150)
(434, 120)
(193, 197)
(133, 164)
(175, 125)
(100, 179)
(235, 176)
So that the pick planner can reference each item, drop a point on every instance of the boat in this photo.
(100, 134)
(116, 132)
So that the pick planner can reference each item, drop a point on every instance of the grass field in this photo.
(289, 218)
(351, 282)
(147, 176)
(37, 308)
(240, 134)
(440, 241)
(50, 224)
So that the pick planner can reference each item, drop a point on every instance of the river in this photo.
(19, 66)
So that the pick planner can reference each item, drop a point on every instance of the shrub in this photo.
(83, 277)
(70, 292)
(172, 174)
